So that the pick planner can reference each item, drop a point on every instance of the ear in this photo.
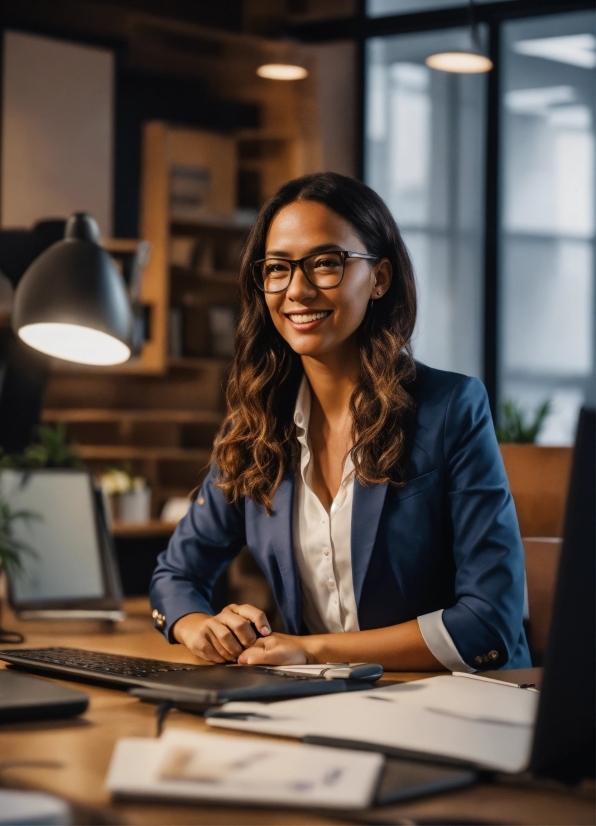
(383, 273)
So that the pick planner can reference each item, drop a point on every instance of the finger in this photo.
(207, 652)
(243, 630)
(221, 634)
(255, 655)
(254, 615)
(220, 648)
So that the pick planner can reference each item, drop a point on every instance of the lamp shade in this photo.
(72, 303)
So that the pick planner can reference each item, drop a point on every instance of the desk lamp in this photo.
(71, 303)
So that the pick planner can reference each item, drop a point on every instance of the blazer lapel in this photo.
(366, 513)
(281, 528)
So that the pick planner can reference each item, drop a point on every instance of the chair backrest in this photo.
(539, 479)
(542, 566)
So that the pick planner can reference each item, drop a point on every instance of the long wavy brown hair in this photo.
(257, 444)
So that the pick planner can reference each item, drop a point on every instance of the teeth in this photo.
(306, 317)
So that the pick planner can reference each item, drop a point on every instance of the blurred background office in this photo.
(159, 119)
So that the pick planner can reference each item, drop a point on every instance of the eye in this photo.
(273, 268)
(327, 262)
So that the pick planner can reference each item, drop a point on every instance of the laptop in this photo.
(32, 698)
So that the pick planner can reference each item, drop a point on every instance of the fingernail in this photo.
(265, 631)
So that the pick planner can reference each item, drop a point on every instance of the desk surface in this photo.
(77, 753)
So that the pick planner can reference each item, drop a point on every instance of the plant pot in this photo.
(134, 506)
(538, 478)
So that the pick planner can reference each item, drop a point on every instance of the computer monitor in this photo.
(69, 570)
(564, 742)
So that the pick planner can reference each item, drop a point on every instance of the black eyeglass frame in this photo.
(299, 262)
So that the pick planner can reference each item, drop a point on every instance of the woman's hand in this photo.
(276, 649)
(224, 637)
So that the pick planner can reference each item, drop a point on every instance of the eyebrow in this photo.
(313, 251)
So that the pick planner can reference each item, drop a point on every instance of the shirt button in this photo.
(330, 583)
(326, 551)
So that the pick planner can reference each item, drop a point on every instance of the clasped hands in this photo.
(230, 637)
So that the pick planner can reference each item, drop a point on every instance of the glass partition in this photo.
(546, 278)
(424, 154)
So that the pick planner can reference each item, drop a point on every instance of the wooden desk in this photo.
(79, 752)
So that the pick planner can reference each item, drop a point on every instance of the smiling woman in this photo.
(369, 488)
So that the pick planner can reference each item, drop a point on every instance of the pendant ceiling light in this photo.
(282, 71)
(72, 302)
(468, 60)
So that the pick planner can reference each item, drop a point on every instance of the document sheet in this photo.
(487, 725)
(190, 766)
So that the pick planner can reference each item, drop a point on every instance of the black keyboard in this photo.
(91, 665)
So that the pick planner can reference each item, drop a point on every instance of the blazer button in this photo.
(478, 660)
(159, 620)
(493, 655)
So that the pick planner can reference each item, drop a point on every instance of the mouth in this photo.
(308, 320)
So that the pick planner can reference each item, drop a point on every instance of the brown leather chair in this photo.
(542, 566)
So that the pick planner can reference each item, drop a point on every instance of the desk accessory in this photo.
(182, 765)
(193, 687)
(32, 698)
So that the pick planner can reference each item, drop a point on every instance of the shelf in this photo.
(220, 223)
(132, 452)
(155, 527)
(104, 415)
(210, 276)
(199, 362)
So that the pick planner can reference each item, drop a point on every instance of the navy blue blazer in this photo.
(449, 539)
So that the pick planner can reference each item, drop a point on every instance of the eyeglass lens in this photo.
(324, 270)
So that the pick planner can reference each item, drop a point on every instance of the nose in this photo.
(300, 287)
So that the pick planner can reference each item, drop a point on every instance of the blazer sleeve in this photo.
(204, 543)
(485, 622)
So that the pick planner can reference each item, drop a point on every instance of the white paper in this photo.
(486, 725)
(185, 765)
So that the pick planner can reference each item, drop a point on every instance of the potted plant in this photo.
(129, 496)
(538, 475)
(50, 449)
(11, 551)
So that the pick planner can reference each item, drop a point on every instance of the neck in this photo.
(332, 380)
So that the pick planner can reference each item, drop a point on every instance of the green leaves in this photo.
(49, 450)
(515, 428)
(11, 549)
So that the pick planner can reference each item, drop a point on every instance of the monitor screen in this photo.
(62, 560)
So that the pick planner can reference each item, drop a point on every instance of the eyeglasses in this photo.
(324, 270)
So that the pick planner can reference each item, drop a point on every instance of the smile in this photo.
(308, 318)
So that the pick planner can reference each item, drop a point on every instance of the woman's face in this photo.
(316, 322)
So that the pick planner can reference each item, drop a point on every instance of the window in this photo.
(428, 154)
(546, 278)
(424, 154)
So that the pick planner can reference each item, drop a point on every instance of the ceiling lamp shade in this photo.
(469, 60)
(282, 71)
(467, 63)
(72, 302)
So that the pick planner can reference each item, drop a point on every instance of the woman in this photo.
(369, 488)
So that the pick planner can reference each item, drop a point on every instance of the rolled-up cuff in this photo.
(440, 643)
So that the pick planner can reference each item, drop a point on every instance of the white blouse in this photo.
(322, 548)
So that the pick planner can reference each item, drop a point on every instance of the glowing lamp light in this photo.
(468, 63)
(63, 340)
(282, 71)
(72, 302)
